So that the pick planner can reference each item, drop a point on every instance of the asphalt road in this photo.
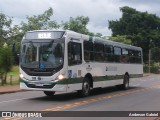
(143, 95)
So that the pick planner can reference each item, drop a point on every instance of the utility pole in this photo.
(149, 61)
(149, 56)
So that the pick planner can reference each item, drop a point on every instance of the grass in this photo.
(15, 76)
(14, 71)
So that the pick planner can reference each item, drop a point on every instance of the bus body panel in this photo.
(117, 70)
(103, 73)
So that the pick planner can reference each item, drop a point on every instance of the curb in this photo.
(146, 74)
(7, 92)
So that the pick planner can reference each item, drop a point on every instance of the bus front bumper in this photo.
(43, 87)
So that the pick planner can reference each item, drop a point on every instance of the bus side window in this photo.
(131, 56)
(23, 51)
(109, 53)
(88, 51)
(99, 52)
(74, 53)
(124, 57)
(117, 53)
(138, 57)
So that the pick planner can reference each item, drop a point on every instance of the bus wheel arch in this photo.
(87, 84)
(89, 76)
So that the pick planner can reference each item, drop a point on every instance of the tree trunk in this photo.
(4, 78)
(1, 78)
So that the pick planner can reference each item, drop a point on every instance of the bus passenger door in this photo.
(74, 65)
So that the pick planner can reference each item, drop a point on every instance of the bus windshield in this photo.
(42, 54)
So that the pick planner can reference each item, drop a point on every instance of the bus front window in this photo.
(42, 54)
(52, 53)
(31, 53)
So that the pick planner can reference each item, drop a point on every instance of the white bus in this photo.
(66, 61)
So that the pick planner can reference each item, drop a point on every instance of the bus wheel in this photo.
(86, 88)
(49, 93)
(125, 84)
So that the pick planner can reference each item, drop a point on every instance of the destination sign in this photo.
(44, 35)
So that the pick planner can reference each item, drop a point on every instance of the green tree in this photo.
(121, 39)
(155, 54)
(6, 62)
(39, 22)
(35, 22)
(14, 42)
(78, 24)
(141, 27)
(98, 35)
(5, 28)
(90, 34)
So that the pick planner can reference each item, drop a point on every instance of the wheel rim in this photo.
(126, 82)
(86, 87)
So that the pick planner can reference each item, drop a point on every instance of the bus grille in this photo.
(44, 86)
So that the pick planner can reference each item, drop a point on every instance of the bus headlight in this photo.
(60, 77)
(21, 76)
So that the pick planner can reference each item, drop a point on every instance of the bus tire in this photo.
(85, 87)
(49, 93)
(125, 84)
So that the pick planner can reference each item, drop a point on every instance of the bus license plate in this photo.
(40, 85)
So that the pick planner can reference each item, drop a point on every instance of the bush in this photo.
(145, 68)
(154, 68)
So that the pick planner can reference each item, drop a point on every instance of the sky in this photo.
(98, 11)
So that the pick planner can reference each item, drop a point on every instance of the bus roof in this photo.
(113, 43)
(86, 37)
